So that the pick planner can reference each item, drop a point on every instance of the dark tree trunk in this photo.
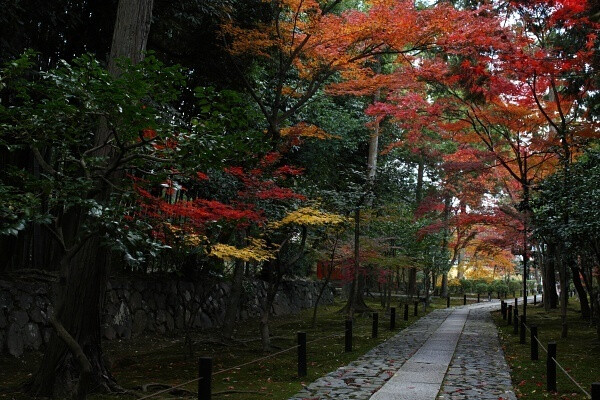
(581, 293)
(233, 300)
(79, 311)
(550, 296)
(84, 273)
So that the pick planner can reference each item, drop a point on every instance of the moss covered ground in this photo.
(579, 354)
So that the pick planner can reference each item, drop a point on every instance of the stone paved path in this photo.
(477, 370)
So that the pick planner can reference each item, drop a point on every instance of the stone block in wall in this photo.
(121, 322)
(24, 301)
(3, 318)
(19, 317)
(140, 321)
(32, 337)
(14, 340)
(108, 332)
(37, 315)
(135, 301)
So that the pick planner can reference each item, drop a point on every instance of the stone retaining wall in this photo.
(133, 307)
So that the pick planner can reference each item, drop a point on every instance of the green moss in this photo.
(578, 354)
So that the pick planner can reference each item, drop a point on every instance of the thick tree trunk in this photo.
(265, 312)
(564, 297)
(444, 292)
(549, 283)
(84, 277)
(233, 300)
(79, 312)
(581, 293)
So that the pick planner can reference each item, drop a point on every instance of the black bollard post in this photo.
(478, 295)
(534, 344)
(301, 354)
(375, 329)
(448, 301)
(516, 323)
(406, 312)
(596, 391)
(509, 313)
(392, 318)
(516, 302)
(503, 309)
(464, 299)
(522, 338)
(205, 375)
(534, 299)
(416, 308)
(348, 336)
(551, 368)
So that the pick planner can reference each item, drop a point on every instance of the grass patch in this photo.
(578, 354)
(161, 359)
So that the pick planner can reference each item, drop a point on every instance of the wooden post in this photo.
(205, 375)
(406, 312)
(534, 344)
(509, 313)
(375, 329)
(348, 336)
(478, 295)
(301, 354)
(596, 391)
(503, 309)
(534, 299)
(551, 368)
(392, 318)
(448, 301)
(464, 299)
(416, 308)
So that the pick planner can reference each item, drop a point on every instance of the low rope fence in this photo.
(510, 315)
(205, 373)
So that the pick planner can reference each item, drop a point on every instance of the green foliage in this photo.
(499, 286)
(481, 287)
(54, 117)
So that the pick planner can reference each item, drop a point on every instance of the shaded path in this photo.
(421, 359)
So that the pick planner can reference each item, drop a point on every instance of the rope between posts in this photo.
(171, 388)
(220, 372)
(240, 366)
(256, 360)
(560, 366)
(571, 378)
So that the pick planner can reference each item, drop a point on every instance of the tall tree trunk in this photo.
(549, 282)
(84, 276)
(265, 312)
(325, 283)
(564, 296)
(235, 294)
(581, 293)
(79, 311)
(233, 300)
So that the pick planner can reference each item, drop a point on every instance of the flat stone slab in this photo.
(421, 377)
(407, 391)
